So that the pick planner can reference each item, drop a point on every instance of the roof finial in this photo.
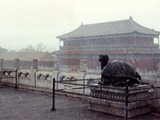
(132, 23)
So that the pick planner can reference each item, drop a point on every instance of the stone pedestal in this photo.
(112, 100)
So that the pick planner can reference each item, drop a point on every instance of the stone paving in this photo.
(28, 105)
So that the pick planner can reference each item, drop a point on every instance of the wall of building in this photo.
(75, 50)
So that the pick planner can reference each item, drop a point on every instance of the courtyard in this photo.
(16, 104)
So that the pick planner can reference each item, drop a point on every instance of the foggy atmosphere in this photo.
(29, 22)
(79, 60)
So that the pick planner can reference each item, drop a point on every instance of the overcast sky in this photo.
(29, 22)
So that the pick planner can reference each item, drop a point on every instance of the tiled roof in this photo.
(27, 56)
(109, 28)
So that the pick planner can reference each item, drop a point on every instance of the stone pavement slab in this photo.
(18, 104)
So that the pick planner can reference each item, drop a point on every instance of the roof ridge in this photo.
(135, 23)
(115, 21)
(108, 28)
(71, 31)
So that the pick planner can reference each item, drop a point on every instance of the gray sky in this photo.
(29, 22)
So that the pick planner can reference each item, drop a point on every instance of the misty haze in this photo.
(79, 59)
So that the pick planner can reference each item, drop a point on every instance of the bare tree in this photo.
(29, 48)
(38, 48)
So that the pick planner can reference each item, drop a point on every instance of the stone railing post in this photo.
(35, 64)
(156, 84)
(17, 67)
(56, 65)
(33, 72)
(17, 64)
(1, 66)
(1, 63)
(83, 65)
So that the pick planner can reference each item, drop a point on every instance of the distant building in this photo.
(3, 50)
(45, 59)
(125, 40)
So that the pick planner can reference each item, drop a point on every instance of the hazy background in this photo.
(29, 22)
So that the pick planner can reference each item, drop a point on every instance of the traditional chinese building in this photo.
(124, 40)
(45, 59)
